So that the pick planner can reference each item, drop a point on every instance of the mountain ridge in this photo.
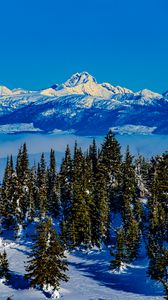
(86, 107)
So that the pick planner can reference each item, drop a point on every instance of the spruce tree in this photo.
(127, 245)
(42, 187)
(131, 212)
(131, 208)
(142, 171)
(158, 267)
(23, 181)
(128, 187)
(47, 266)
(119, 251)
(93, 155)
(158, 223)
(4, 266)
(80, 221)
(133, 238)
(8, 196)
(101, 209)
(53, 197)
(77, 199)
(66, 184)
(33, 195)
(110, 161)
(66, 193)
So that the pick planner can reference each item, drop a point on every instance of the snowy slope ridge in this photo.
(90, 278)
(85, 106)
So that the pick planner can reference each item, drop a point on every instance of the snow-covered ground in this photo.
(90, 278)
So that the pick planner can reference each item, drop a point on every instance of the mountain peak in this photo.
(84, 84)
(79, 78)
(4, 91)
(148, 94)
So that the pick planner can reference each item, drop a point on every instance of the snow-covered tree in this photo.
(4, 266)
(42, 186)
(47, 266)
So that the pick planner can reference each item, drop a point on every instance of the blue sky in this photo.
(123, 42)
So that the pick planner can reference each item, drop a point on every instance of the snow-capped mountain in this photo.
(4, 91)
(86, 107)
(84, 84)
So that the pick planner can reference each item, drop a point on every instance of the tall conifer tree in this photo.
(42, 186)
(47, 266)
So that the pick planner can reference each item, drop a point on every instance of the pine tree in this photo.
(119, 253)
(66, 184)
(101, 210)
(110, 161)
(142, 171)
(53, 200)
(128, 187)
(66, 193)
(158, 222)
(5, 189)
(4, 266)
(33, 195)
(77, 199)
(132, 242)
(42, 187)
(93, 155)
(23, 182)
(80, 221)
(47, 266)
(131, 208)
(127, 245)
(131, 212)
(8, 199)
(158, 267)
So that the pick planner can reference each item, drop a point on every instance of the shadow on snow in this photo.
(134, 280)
